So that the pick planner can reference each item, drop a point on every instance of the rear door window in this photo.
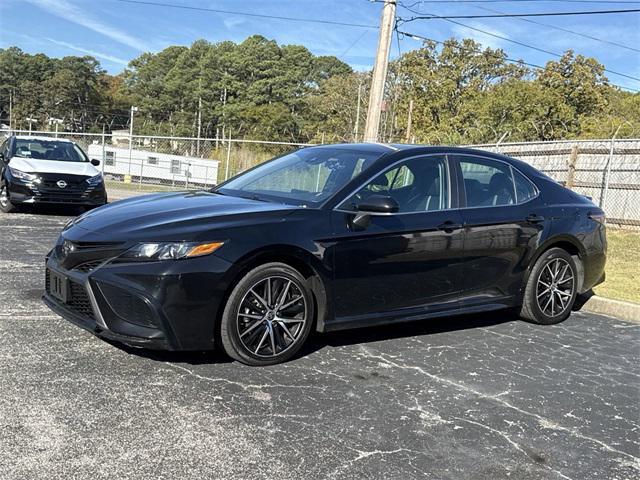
(487, 183)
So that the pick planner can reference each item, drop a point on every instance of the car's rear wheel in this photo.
(268, 316)
(551, 289)
(5, 201)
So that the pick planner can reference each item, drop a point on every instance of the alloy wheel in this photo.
(4, 196)
(272, 316)
(555, 286)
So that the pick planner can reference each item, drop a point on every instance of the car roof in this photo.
(383, 148)
(35, 137)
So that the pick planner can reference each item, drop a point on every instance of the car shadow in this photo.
(52, 210)
(320, 341)
(191, 358)
(415, 328)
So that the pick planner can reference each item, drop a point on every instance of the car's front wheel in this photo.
(551, 289)
(5, 201)
(268, 316)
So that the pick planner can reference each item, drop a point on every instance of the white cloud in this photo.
(86, 51)
(483, 38)
(231, 22)
(73, 13)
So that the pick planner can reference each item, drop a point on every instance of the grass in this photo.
(140, 187)
(623, 266)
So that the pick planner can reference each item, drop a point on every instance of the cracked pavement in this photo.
(474, 397)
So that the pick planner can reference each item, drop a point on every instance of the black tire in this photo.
(243, 302)
(548, 299)
(5, 202)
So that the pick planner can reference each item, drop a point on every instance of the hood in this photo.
(182, 216)
(32, 165)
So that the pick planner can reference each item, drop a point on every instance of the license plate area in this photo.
(59, 286)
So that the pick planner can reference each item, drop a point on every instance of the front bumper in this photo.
(26, 193)
(169, 305)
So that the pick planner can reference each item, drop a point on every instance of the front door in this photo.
(404, 263)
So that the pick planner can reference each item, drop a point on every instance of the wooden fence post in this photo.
(571, 167)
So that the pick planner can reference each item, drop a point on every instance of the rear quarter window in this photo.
(525, 189)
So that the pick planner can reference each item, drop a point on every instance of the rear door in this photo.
(403, 263)
(502, 219)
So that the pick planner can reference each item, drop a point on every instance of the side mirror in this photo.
(95, 162)
(374, 205)
(378, 204)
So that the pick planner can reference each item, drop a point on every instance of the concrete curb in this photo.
(616, 308)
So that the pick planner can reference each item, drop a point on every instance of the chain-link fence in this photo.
(608, 171)
(146, 162)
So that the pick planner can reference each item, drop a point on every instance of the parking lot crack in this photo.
(542, 421)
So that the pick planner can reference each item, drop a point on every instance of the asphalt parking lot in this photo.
(475, 397)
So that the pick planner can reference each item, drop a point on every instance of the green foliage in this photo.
(463, 95)
(72, 88)
(254, 89)
(258, 89)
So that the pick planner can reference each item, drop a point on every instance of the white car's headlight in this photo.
(169, 250)
(24, 176)
(94, 180)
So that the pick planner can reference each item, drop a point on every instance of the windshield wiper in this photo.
(253, 197)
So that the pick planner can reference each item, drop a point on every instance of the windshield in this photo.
(308, 176)
(48, 150)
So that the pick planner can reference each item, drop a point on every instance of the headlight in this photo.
(95, 179)
(20, 175)
(169, 250)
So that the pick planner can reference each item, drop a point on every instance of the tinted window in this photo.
(487, 183)
(525, 189)
(418, 185)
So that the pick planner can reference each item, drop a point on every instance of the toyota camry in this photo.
(326, 238)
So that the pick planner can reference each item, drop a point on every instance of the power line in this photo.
(516, 42)
(353, 44)
(247, 14)
(495, 55)
(634, 2)
(555, 27)
(511, 15)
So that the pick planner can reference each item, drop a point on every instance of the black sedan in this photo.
(328, 238)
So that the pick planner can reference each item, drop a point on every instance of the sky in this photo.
(115, 32)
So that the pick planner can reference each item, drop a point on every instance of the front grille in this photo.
(77, 189)
(78, 299)
(88, 266)
(86, 245)
(77, 185)
(87, 255)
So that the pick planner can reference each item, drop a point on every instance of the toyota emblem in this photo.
(67, 248)
(61, 183)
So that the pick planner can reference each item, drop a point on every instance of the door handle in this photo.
(449, 226)
(533, 218)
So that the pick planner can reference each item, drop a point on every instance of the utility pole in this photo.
(199, 124)
(11, 109)
(133, 109)
(31, 120)
(376, 95)
(409, 120)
